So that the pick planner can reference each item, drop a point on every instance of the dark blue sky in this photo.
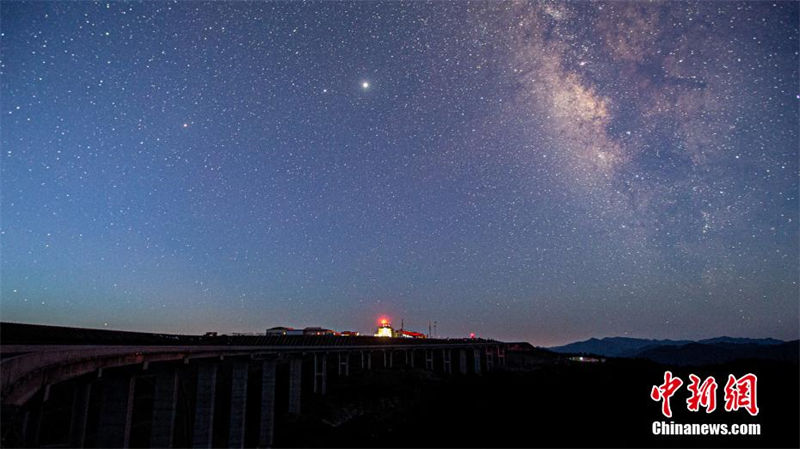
(545, 171)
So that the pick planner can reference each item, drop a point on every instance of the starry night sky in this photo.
(530, 171)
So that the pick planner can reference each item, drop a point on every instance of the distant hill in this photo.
(740, 341)
(687, 352)
(614, 346)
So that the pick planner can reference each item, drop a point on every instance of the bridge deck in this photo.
(17, 334)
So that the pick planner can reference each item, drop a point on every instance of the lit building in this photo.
(384, 329)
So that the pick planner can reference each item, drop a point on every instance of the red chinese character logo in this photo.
(664, 391)
(741, 393)
(702, 395)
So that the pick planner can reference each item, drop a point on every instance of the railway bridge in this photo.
(70, 387)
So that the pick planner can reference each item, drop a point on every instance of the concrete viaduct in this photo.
(68, 387)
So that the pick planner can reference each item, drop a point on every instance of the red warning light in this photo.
(472, 335)
(384, 321)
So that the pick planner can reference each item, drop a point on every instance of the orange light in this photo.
(384, 321)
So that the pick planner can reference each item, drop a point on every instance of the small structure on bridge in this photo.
(385, 330)
(318, 331)
(281, 330)
(402, 333)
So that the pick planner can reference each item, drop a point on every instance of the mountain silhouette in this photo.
(686, 352)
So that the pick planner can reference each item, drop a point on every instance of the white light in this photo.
(384, 331)
(365, 85)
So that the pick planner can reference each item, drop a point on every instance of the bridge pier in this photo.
(476, 358)
(447, 361)
(462, 361)
(267, 421)
(344, 363)
(238, 404)
(202, 435)
(321, 373)
(387, 358)
(165, 400)
(429, 359)
(295, 383)
(412, 354)
(80, 414)
(366, 360)
(114, 428)
(26, 429)
(34, 420)
(489, 359)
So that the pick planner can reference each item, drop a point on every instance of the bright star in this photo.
(365, 85)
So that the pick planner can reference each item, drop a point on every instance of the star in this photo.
(365, 85)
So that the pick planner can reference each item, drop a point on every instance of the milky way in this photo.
(543, 171)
